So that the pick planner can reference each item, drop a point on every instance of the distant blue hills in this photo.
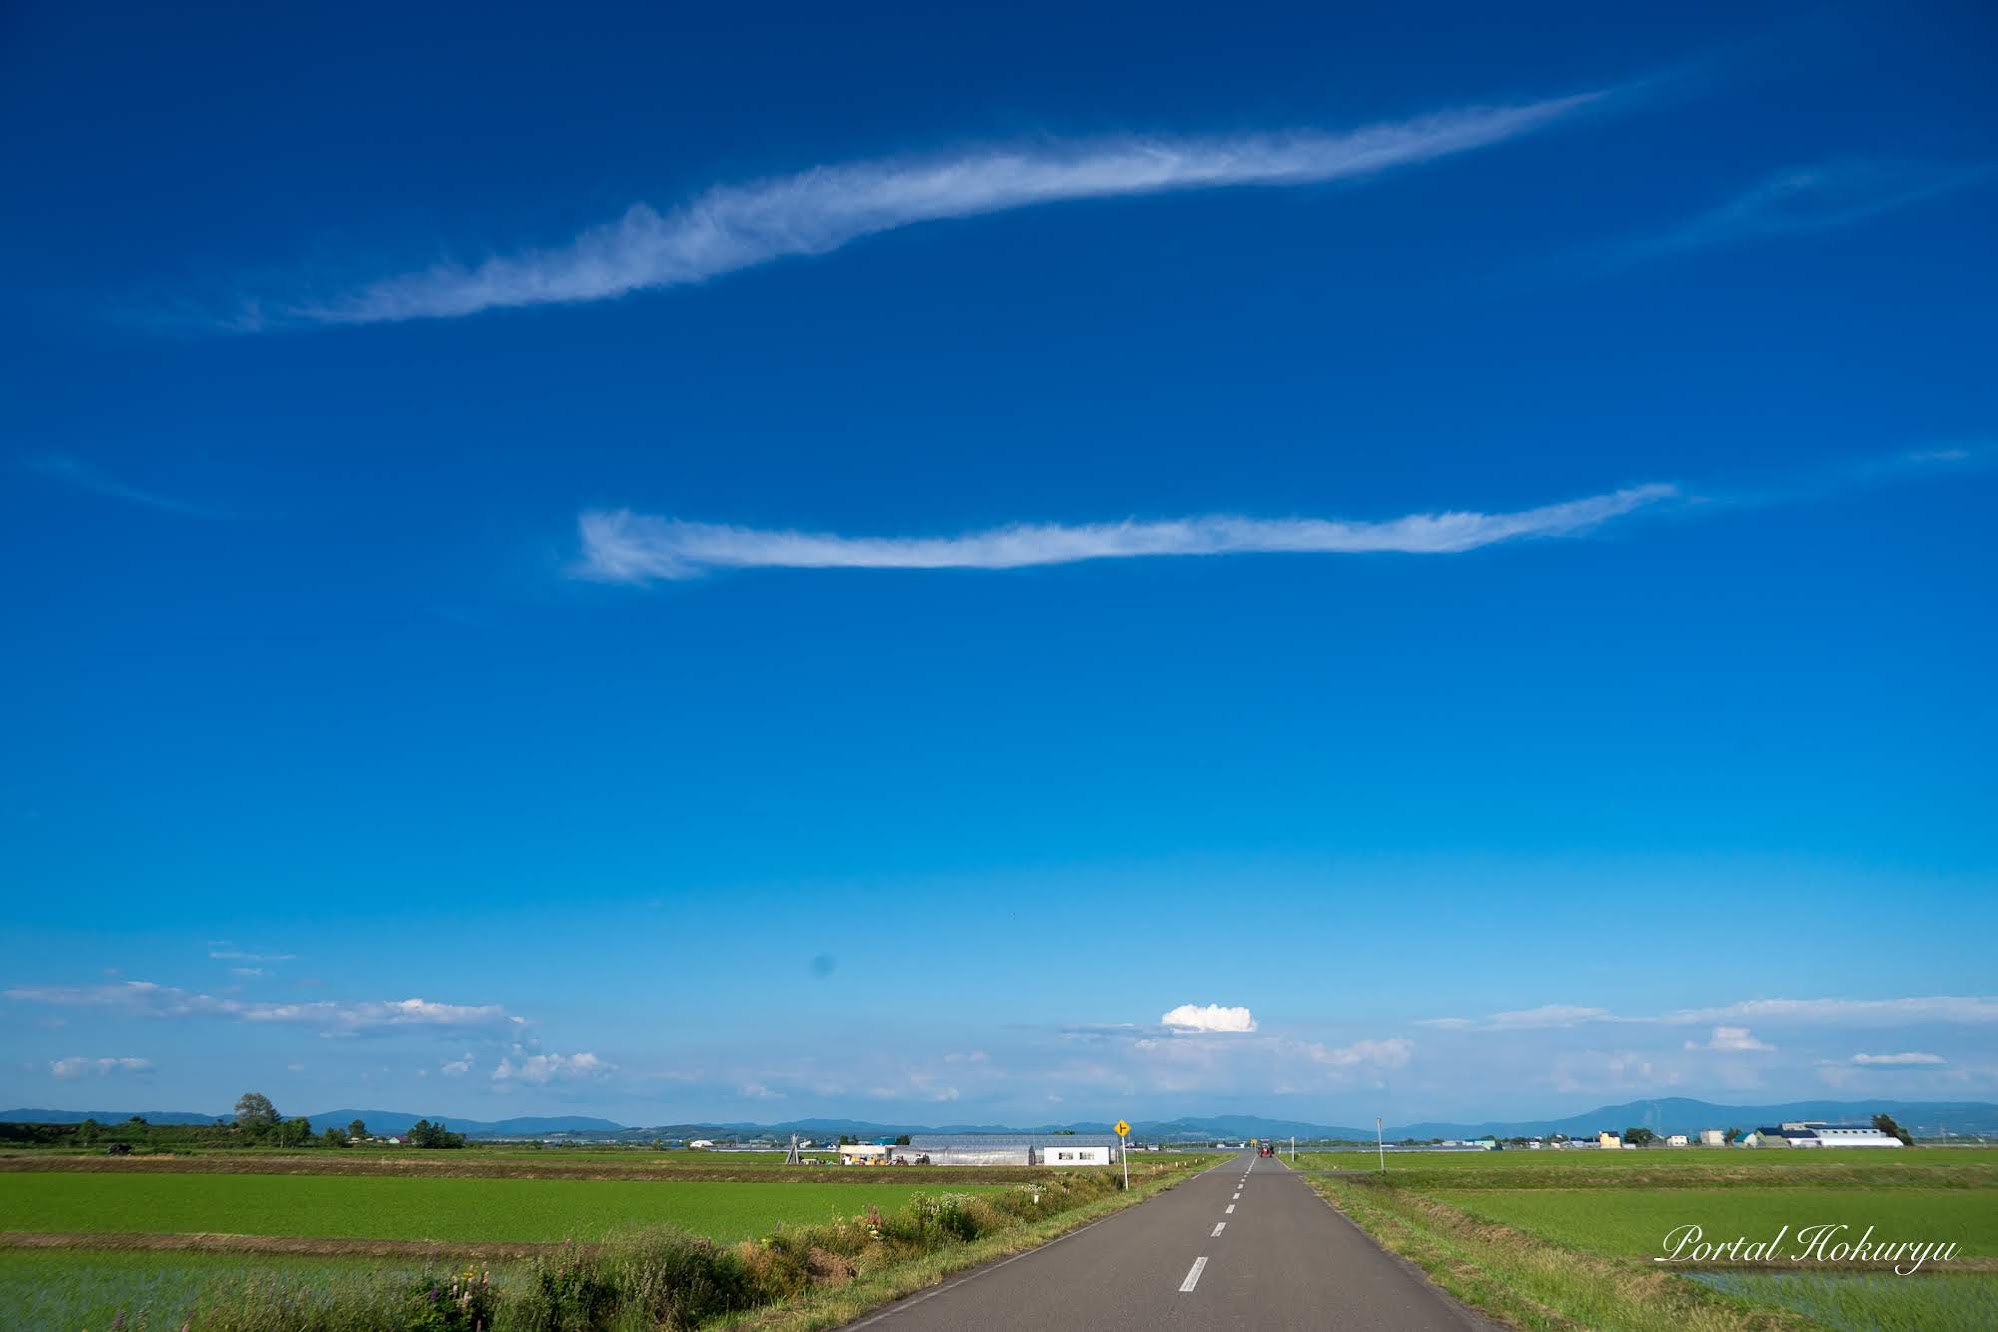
(1673, 1114)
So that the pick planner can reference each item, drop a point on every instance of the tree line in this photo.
(256, 1123)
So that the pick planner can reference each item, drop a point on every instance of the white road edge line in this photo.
(1219, 1226)
(1192, 1275)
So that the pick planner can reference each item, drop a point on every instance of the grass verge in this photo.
(1531, 1284)
(833, 1307)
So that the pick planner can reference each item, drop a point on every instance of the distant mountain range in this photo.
(1669, 1115)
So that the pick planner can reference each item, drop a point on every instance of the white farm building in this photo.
(1816, 1133)
(1009, 1149)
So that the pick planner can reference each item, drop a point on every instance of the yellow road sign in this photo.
(1123, 1129)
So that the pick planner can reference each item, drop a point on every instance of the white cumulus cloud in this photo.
(1207, 1017)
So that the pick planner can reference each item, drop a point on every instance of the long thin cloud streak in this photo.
(62, 467)
(624, 547)
(1805, 199)
(733, 227)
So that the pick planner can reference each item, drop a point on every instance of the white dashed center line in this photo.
(1219, 1226)
(1231, 1209)
(1192, 1275)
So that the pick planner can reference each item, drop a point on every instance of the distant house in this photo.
(701, 1144)
(1486, 1143)
(1713, 1137)
(864, 1153)
(393, 1142)
(1075, 1156)
(1676, 1140)
(1608, 1141)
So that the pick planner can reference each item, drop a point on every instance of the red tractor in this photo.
(1267, 1149)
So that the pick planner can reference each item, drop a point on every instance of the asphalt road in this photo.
(1245, 1244)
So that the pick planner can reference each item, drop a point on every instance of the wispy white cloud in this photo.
(77, 1066)
(1547, 1015)
(1970, 1010)
(1731, 1040)
(456, 1068)
(146, 999)
(1394, 1052)
(238, 955)
(1967, 1010)
(1804, 199)
(624, 547)
(733, 227)
(1906, 1059)
(74, 471)
(541, 1069)
(1207, 1017)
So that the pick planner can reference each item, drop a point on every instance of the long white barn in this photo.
(1812, 1133)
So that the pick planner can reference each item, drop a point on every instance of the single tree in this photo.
(1885, 1123)
(1732, 1136)
(902, 1141)
(254, 1110)
(357, 1130)
(86, 1132)
(1639, 1137)
(336, 1137)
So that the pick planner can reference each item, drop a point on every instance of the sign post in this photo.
(1124, 1151)
(1381, 1143)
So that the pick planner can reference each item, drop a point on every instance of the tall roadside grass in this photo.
(798, 1276)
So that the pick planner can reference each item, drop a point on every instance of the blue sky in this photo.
(1014, 566)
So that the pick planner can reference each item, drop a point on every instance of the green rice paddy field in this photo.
(1633, 1224)
(447, 1209)
(69, 1290)
(1612, 1211)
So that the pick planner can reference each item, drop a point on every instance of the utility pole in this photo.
(1381, 1143)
